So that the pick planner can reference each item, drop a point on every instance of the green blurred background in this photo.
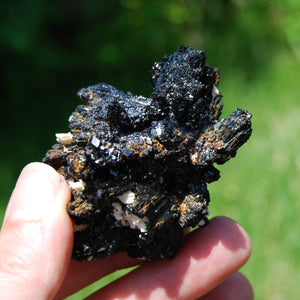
(49, 49)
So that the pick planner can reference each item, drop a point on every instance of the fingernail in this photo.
(34, 193)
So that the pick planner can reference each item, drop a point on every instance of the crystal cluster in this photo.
(138, 167)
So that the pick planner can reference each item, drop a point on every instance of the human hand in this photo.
(36, 245)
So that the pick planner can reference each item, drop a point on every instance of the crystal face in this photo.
(138, 167)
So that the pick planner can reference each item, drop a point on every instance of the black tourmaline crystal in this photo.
(138, 167)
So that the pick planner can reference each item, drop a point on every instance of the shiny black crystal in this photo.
(139, 167)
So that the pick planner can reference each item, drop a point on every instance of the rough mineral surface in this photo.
(138, 167)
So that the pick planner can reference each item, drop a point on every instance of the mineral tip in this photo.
(138, 167)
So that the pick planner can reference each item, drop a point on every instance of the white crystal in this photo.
(64, 138)
(215, 91)
(77, 186)
(95, 141)
(129, 219)
(127, 198)
(159, 129)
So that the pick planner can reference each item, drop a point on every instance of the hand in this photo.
(36, 244)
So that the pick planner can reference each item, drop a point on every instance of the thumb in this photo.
(37, 235)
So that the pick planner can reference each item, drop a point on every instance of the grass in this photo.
(260, 187)
(92, 288)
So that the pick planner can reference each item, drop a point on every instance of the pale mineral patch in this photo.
(64, 138)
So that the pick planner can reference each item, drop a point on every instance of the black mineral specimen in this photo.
(139, 167)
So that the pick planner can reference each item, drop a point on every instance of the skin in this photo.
(36, 243)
